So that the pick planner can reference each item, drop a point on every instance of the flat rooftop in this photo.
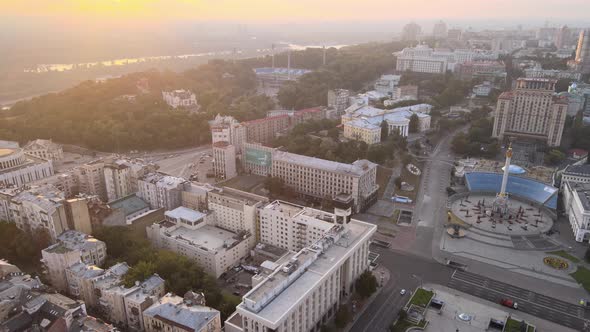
(185, 213)
(276, 301)
(358, 168)
(207, 237)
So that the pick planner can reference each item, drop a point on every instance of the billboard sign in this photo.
(258, 157)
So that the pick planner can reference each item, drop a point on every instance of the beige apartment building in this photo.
(176, 314)
(531, 111)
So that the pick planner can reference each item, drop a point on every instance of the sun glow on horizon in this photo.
(277, 10)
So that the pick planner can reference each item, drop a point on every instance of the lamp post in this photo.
(419, 279)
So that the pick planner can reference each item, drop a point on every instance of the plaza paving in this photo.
(523, 218)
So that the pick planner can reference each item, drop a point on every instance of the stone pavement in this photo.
(522, 261)
(480, 311)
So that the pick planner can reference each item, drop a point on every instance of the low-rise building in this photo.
(576, 173)
(180, 98)
(132, 207)
(44, 149)
(176, 314)
(338, 99)
(364, 122)
(483, 90)
(195, 235)
(577, 207)
(71, 247)
(306, 288)
(539, 72)
(386, 84)
(160, 190)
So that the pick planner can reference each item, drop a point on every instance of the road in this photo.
(381, 312)
(545, 307)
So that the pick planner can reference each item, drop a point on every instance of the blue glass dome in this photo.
(514, 169)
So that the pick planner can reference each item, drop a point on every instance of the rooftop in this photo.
(358, 168)
(583, 169)
(185, 213)
(191, 318)
(73, 240)
(207, 237)
(129, 204)
(287, 286)
(6, 152)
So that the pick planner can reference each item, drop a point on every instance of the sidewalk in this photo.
(383, 275)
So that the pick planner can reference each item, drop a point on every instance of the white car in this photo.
(402, 292)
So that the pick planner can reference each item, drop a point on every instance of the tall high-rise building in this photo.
(531, 111)
(583, 52)
(440, 30)
(411, 31)
(562, 37)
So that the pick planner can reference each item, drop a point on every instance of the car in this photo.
(509, 303)
(402, 292)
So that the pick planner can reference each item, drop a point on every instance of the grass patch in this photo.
(412, 179)
(421, 297)
(582, 276)
(566, 255)
(513, 325)
(402, 325)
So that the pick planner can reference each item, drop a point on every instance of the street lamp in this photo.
(419, 279)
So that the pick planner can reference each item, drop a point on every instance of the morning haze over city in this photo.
(294, 166)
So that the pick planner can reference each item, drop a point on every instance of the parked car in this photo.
(402, 292)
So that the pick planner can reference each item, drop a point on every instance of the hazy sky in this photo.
(311, 10)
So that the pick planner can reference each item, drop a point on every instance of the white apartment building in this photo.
(539, 72)
(91, 179)
(160, 190)
(44, 149)
(194, 195)
(386, 84)
(531, 111)
(71, 247)
(194, 234)
(236, 210)
(437, 61)
(577, 207)
(224, 160)
(228, 129)
(124, 306)
(576, 173)
(319, 178)
(116, 179)
(174, 314)
(17, 168)
(363, 122)
(292, 227)
(40, 208)
(338, 99)
(304, 289)
(180, 98)
(364, 130)
(79, 278)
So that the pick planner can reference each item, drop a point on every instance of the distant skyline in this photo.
(273, 11)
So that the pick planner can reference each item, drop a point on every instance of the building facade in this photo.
(531, 111)
(176, 314)
(266, 129)
(339, 100)
(180, 98)
(17, 168)
(224, 156)
(71, 247)
(228, 129)
(582, 58)
(303, 290)
(577, 207)
(44, 149)
(160, 190)
(194, 234)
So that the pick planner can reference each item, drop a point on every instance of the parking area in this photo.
(238, 281)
